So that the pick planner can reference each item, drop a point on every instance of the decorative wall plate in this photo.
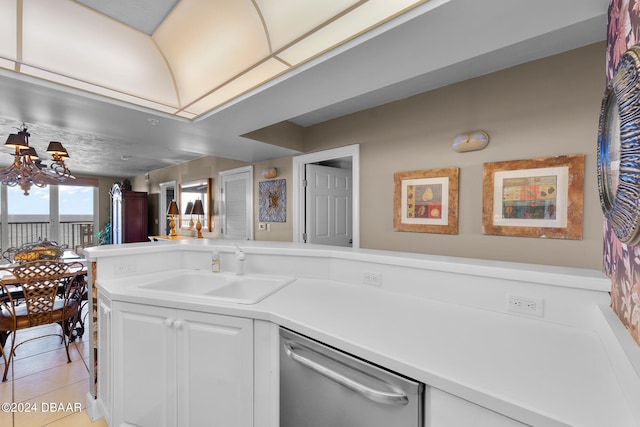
(619, 149)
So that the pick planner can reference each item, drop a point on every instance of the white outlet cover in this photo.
(525, 305)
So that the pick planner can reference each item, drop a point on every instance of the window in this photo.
(28, 216)
(64, 214)
(75, 207)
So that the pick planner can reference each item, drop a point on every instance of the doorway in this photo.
(304, 212)
(236, 203)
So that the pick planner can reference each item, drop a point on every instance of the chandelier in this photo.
(28, 170)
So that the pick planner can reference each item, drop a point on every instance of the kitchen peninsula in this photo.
(449, 323)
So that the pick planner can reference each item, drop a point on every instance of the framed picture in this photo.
(272, 196)
(534, 198)
(426, 201)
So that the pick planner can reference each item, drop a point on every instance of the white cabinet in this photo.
(181, 368)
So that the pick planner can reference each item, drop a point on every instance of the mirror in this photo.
(167, 194)
(190, 192)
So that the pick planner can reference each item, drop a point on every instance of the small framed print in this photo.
(426, 201)
(272, 198)
(534, 198)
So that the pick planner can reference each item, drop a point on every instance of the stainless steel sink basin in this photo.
(245, 289)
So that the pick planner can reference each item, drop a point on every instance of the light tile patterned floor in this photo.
(42, 389)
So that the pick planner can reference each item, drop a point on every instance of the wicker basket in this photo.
(35, 251)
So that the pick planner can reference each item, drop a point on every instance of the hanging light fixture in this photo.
(28, 170)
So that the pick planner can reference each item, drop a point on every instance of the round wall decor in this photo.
(619, 149)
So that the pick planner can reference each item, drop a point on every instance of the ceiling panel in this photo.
(346, 27)
(81, 44)
(238, 86)
(8, 31)
(209, 42)
(288, 20)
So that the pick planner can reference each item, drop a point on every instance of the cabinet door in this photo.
(144, 348)
(215, 370)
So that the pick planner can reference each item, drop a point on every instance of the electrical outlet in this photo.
(125, 267)
(525, 305)
(264, 226)
(372, 278)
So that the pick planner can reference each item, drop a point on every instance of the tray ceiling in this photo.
(181, 58)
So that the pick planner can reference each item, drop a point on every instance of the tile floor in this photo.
(43, 389)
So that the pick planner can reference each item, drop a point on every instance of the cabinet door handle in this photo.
(168, 322)
(177, 324)
(388, 398)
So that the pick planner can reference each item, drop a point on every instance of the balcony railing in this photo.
(73, 234)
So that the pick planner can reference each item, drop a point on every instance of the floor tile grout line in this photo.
(43, 392)
(35, 398)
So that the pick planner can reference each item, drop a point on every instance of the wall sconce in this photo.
(172, 212)
(471, 141)
(189, 211)
(270, 172)
(198, 210)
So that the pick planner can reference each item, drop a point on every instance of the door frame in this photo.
(250, 202)
(299, 208)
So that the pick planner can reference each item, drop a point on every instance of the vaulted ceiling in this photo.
(129, 87)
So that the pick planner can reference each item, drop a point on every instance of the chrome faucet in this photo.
(240, 257)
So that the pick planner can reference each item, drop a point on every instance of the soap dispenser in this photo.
(215, 262)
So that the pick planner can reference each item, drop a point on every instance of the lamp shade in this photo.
(17, 140)
(197, 208)
(56, 147)
(32, 153)
(64, 154)
(173, 208)
(188, 210)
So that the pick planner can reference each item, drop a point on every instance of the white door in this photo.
(236, 203)
(328, 206)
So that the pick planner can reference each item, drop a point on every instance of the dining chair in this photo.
(46, 292)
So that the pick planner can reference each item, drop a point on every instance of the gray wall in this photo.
(544, 108)
(541, 109)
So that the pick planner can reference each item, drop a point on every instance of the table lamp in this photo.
(172, 212)
(198, 210)
(189, 211)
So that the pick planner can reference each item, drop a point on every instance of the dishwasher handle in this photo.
(397, 398)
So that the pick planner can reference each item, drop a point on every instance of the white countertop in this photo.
(536, 372)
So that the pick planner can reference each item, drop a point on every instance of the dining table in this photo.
(76, 274)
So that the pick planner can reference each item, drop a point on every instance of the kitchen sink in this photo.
(244, 289)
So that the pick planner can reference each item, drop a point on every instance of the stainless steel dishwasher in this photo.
(324, 387)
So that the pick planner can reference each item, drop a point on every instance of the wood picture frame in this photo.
(426, 201)
(534, 198)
